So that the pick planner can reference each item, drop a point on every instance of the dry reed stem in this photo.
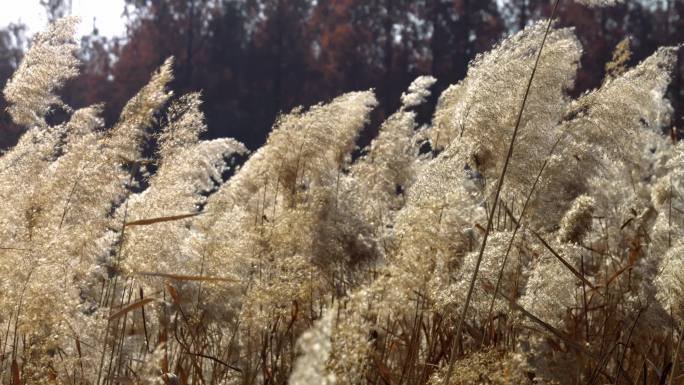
(461, 320)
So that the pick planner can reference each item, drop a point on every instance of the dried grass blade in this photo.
(546, 326)
(131, 307)
(563, 261)
(151, 221)
(616, 274)
(133, 162)
(182, 277)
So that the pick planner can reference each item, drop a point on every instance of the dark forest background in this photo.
(255, 58)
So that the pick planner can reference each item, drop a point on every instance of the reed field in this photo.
(521, 236)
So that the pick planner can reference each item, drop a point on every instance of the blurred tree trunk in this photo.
(388, 25)
(523, 15)
(189, 42)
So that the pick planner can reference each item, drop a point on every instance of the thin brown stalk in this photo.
(584, 301)
(144, 322)
(68, 201)
(669, 220)
(235, 368)
(626, 346)
(135, 305)
(563, 261)
(183, 277)
(675, 357)
(151, 221)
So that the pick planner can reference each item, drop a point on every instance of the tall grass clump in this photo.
(538, 241)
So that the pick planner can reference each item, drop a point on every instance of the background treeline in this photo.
(255, 58)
